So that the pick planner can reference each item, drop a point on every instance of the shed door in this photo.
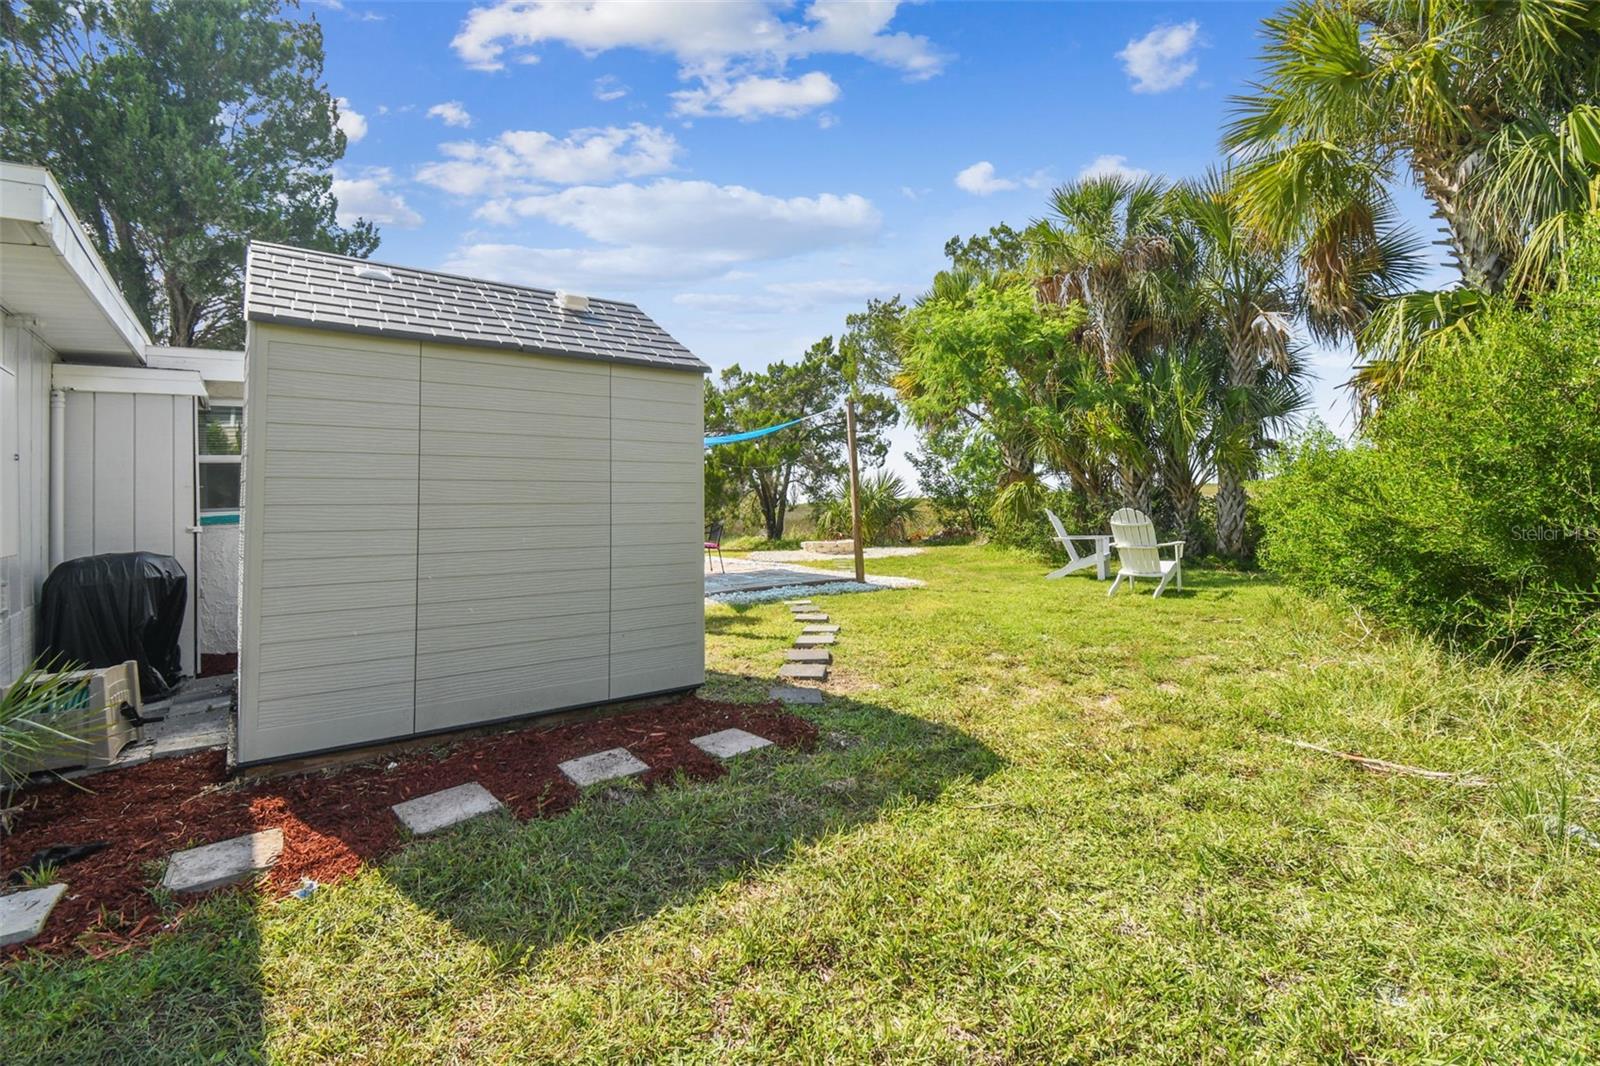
(513, 593)
(330, 513)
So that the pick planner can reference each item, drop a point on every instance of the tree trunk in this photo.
(1230, 513)
(1482, 260)
(772, 495)
(1185, 507)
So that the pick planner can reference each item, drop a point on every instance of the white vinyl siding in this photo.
(130, 483)
(328, 634)
(439, 536)
(24, 490)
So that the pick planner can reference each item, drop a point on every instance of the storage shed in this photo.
(464, 501)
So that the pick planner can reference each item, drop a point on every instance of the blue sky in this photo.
(751, 172)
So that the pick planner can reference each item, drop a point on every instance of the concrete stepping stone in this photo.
(440, 810)
(811, 616)
(730, 742)
(602, 766)
(214, 865)
(798, 603)
(808, 655)
(23, 914)
(794, 694)
(804, 672)
(820, 629)
(813, 640)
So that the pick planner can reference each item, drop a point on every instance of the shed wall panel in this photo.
(549, 511)
(657, 510)
(511, 431)
(328, 640)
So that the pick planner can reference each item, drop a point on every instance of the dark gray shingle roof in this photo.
(297, 286)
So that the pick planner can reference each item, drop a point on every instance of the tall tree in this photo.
(1240, 291)
(179, 130)
(1447, 93)
(1104, 248)
(990, 356)
(808, 458)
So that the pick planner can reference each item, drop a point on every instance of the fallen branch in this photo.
(1381, 766)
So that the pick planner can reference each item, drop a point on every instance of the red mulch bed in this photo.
(332, 821)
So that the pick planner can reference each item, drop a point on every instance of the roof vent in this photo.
(570, 301)
(373, 273)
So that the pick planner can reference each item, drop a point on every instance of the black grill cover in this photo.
(102, 610)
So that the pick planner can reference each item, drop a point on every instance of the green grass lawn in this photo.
(1042, 826)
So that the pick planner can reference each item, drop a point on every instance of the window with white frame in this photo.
(221, 443)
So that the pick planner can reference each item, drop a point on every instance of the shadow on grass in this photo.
(623, 855)
(191, 997)
(620, 857)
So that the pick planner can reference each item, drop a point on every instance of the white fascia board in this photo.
(82, 377)
(30, 194)
(211, 364)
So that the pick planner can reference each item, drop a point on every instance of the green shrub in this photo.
(886, 510)
(1471, 508)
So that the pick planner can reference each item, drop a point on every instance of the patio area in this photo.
(763, 574)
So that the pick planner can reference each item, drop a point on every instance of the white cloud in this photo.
(788, 297)
(591, 270)
(369, 196)
(757, 97)
(700, 218)
(979, 179)
(1102, 166)
(733, 49)
(352, 122)
(609, 87)
(451, 113)
(1163, 58)
(520, 160)
(697, 33)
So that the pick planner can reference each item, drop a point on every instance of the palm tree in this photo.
(1238, 285)
(1181, 396)
(1104, 247)
(1450, 93)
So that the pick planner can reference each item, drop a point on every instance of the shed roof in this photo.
(301, 287)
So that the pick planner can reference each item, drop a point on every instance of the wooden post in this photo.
(855, 487)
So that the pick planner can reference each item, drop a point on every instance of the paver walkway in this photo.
(214, 865)
(440, 810)
(602, 766)
(23, 914)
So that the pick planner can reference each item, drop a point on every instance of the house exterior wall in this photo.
(221, 547)
(24, 489)
(438, 536)
(130, 483)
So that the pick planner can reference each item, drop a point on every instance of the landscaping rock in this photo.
(808, 655)
(23, 914)
(440, 810)
(602, 766)
(794, 694)
(804, 672)
(730, 742)
(811, 616)
(820, 629)
(214, 865)
(813, 640)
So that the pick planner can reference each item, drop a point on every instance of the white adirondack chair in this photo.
(1099, 557)
(1139, 553)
